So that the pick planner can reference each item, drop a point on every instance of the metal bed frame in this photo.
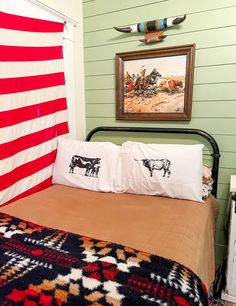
(215, 149)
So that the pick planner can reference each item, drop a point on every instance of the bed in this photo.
(133, 249)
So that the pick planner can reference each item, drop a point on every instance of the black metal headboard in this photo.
(215, 149)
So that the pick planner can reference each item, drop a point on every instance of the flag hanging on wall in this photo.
(33, 109)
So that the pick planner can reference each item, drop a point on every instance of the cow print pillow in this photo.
(88, 165)
(161, 169)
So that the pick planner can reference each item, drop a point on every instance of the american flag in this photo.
(33, 109)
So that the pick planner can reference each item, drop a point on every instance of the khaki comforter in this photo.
(177, 229)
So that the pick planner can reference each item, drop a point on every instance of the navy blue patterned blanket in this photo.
(48, 267)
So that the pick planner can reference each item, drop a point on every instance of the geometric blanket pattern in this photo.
(48, 267)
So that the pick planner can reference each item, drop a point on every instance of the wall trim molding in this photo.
(53, 12)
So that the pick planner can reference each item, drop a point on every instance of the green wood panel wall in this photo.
(211, 25)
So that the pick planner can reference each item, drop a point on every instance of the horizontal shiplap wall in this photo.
(211, 25)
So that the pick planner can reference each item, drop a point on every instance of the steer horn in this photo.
(151, 26)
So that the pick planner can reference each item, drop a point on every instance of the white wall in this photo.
(73, 9)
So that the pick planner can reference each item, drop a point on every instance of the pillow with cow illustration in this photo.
(88, 165)
(161, 169)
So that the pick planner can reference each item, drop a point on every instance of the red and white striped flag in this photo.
(33, 109)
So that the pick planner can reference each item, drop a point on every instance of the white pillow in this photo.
(88, 165)
(161, 169)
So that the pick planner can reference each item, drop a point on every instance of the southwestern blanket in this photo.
(48, 267)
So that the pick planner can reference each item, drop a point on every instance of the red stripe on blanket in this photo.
(27, 54)
(14, 116)
(22, 143)
(26, 170)
(21, 23)
(43, 185)
(31, 82)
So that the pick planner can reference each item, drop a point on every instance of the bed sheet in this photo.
(180, 230)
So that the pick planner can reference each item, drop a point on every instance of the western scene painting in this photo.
(155, 85)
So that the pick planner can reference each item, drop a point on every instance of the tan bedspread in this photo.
(177, 229)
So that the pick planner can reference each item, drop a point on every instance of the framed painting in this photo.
(155, 84)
